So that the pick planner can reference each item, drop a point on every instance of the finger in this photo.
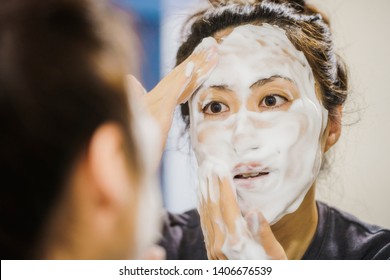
(262, 232)
(161, 101)
(187, 76)
(199, 58)
(230, 210)
(213, 217)
(212, 225)
(134, 86)
(155, 253)
(218, 224)
(207, 228)
(178, 80)
(205, 216)
(201, 66)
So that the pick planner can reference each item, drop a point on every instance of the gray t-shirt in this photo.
(339, 236)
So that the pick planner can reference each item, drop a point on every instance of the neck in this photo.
(295, 231)
(71, 243)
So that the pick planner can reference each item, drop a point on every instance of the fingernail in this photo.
(189, 69)
(211, 53)
(205, 44)
(261, 217)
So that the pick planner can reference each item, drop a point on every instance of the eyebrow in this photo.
(262, 82)
(220, 87)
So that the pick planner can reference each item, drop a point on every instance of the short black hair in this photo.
(52, 99)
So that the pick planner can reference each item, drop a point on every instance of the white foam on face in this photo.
(284, 143)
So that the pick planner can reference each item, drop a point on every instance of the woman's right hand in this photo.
(228, 234)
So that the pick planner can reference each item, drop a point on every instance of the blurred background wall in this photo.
(358, 179)
(146, 16)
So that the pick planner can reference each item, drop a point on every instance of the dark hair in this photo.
(52, 99)
(306, 28)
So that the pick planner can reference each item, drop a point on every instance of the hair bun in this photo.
(219, 3)
(299, 2)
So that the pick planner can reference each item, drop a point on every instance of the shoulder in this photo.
(182, 236)
(342, 236)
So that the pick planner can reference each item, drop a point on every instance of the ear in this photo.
(333, 130)
(106, 196)
(108, 168)
(95, 216)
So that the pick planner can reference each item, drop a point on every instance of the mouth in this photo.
(250, 175)
(246, 174)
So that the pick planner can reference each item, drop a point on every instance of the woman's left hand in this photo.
(177, 87)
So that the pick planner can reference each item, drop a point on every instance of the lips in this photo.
(246, 173)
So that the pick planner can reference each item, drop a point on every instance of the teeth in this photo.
(250, 175)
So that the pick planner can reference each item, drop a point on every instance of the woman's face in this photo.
(258, 118)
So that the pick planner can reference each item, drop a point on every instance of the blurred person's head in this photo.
(75, 180)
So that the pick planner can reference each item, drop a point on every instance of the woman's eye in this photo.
(273, 101)
(214, 108)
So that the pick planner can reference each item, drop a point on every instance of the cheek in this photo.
(212, 140)
(303, 155)
(210, 132)
(281, 134)
(209, 135)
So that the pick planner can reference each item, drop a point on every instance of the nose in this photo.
(244, 138)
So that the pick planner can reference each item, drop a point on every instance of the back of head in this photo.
(58, 83)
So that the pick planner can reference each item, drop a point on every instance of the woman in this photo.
(78, 158)
(260, 126)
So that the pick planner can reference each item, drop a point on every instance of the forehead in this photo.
(256, 52)
(264, 36)
(220, 35)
